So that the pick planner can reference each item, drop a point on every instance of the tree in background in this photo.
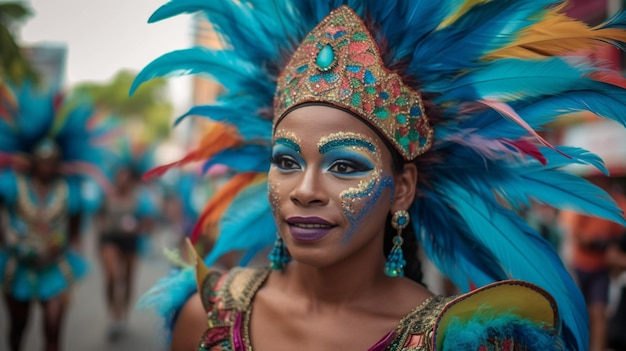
(146, 114)
(13, 64)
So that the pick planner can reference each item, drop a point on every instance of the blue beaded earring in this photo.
(279, 256)
(394, 267)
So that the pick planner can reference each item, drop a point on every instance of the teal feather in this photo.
(485, 27)
(245, 117)
(605, 101)
(485, 329)
(223, 66)
(249, 158)
(509, 239)
(249, 212)
(558, 189)
(531, 78)
(577, 156)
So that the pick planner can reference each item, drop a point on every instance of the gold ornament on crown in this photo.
(339, 63)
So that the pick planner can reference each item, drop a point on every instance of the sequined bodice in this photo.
(228, 299)
(37, 226)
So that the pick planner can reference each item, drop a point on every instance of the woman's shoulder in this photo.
(511, 315)
(206, 315)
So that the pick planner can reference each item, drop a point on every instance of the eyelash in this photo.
(279, 161)
(288, 163)
(357, 167)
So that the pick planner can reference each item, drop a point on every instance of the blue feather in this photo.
(223, 66)
(249, 158)
(485, 27)
(605, 101)
(531, 78)
(249, 212)
(245, 117)
(513, 244)
(558, 189)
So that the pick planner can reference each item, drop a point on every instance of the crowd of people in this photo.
(63, 175)
(354, 140)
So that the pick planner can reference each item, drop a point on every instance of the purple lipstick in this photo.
(308, 228)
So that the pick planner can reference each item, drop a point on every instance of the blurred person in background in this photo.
(127, 215)
(616, 259)
(589, 239)
(545, 220)
(47, 147)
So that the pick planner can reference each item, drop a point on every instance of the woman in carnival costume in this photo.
(389, 123)
(46, 146)
(125, 218)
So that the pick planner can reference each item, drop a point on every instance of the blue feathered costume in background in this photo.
(495, 71)
(36, 258)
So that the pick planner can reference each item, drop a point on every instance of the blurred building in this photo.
(204, 91)
(49, 60)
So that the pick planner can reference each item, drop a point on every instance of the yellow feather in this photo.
(466, 6)
(202, 270)
(558, 34)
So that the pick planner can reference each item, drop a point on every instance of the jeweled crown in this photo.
(338, 62)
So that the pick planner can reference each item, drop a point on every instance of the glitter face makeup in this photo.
(286, 152)
(358, 156)
(274, 197)
(289, 141)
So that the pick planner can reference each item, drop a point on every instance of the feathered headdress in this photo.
(490, 73)
(33, 117)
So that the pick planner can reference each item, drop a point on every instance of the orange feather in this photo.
(558, 34)
(219, 137)
(214, 209)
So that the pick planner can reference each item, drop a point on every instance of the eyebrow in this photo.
(292, 144)
(346, 142)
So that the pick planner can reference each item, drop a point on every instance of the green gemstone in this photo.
(370, 90)
(359, 36)
(394, 272)
(356, 99)
(401, 101)
(381, 113)
(325, 57)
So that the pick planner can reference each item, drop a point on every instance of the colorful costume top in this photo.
(36, 228)
(228, 299)
(457, 87)
(36, 260)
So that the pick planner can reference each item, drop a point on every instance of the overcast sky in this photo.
(104, 36)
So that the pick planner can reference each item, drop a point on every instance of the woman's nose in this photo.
(310, 189)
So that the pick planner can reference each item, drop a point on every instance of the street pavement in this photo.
(86, 323)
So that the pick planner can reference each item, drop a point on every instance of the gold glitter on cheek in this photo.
(354, 200)
(274, 197)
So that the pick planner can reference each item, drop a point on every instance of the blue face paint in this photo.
(286, 156)
(292, 144)
(342, 143)
(370, 194)
(350, 155)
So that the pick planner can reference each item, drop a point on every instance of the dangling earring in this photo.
(394, 267)
(279, 256)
